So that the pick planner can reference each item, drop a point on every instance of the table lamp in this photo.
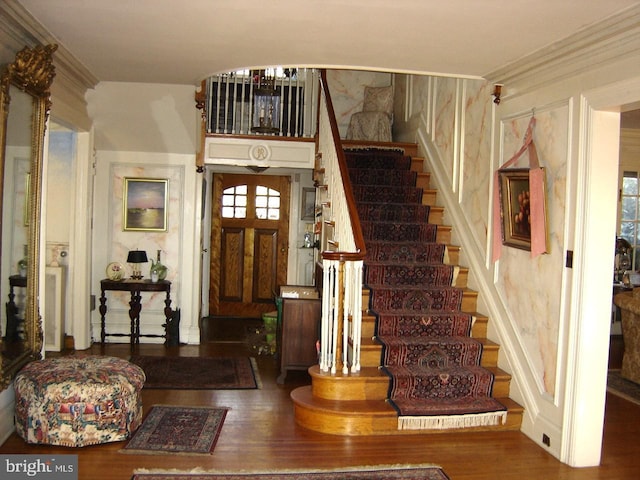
(135, 258)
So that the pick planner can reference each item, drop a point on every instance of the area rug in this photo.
(382, 472)
(178, 430)
(621, 387)
(437, 381)
(199, 373)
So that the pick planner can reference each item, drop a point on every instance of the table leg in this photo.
(103, 312)
(168, 314)
(134, 315)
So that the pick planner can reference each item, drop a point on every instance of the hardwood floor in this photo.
(259, 433)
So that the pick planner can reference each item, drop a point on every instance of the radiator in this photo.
(54, 300)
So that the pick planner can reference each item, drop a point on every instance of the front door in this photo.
(249, 243)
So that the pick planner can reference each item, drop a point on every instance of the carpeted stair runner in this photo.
(434, 364)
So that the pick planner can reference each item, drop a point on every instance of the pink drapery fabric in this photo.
(536, 186)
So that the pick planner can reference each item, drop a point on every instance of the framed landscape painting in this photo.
(145, 204)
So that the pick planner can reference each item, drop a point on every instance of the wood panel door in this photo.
(249, 243)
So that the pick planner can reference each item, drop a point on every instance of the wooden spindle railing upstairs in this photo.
(342, 246)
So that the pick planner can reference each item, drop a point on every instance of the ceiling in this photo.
(182, 42)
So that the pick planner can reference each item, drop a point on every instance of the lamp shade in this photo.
(137, 256)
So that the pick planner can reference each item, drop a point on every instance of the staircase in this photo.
(356, 404)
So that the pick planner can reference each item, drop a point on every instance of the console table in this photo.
(136, 287)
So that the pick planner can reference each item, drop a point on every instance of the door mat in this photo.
(199, 373)
(382, 472)
(171, 429)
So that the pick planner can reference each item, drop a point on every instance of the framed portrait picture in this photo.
(515, 207)
(308, 207)
(145, 204)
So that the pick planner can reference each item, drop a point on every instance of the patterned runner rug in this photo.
(178, 430)
(434, 364)
(199, 373)
(383, 472)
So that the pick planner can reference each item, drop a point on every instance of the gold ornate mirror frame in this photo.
(31, 73)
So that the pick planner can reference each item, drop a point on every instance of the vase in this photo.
(158, 270)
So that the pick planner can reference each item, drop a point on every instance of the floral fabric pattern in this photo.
(78, 401)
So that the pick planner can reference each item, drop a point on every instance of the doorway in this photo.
(249, 243)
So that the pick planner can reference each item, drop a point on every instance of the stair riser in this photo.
(423, 180)
(430, 197)
(468, 304)
(443, 235)
(370, 356)
(454, 255)
(368, 327)
(376, 388)
(489, 357)
(469, 301)
(417, 164)
(358, 388)
(461, 279)
(358, 424)
(478, 330)
(436, 216)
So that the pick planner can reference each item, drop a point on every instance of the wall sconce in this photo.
(135, 258)
(497, 91)
(266, 105)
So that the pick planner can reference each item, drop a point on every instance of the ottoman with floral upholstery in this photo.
(78, 401)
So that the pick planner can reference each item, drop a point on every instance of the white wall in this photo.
(141, 117)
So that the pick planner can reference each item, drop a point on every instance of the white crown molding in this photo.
(598, 45)
(19, 28)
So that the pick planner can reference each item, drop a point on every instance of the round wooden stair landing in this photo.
(372, 417)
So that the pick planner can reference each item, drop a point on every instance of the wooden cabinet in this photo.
(297, 334)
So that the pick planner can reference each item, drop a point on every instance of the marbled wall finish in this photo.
(476, 160)
(536, 316)
(168, 242)
(458, 116)
(347, 92)
(445, 119)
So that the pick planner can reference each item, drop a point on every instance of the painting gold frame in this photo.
(515, 207)
(145, 204)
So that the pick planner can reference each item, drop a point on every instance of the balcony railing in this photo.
(230, 102)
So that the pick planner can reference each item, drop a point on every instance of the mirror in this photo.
(24, 109)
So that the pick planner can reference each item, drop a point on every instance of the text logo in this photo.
(49, 467)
